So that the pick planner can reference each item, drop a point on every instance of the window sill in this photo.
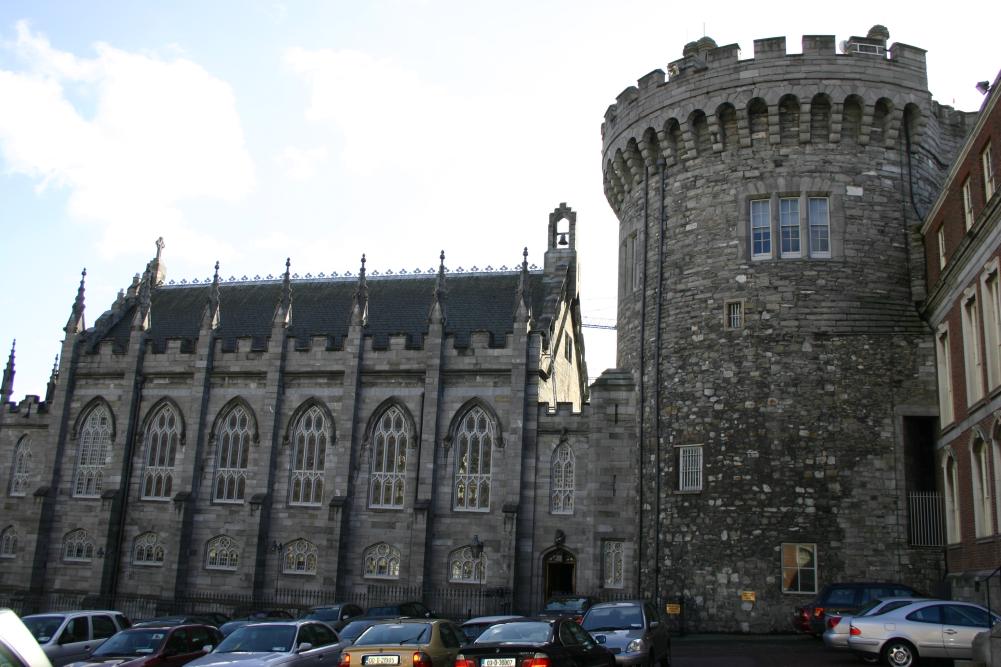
(693, 492)
(987, 539)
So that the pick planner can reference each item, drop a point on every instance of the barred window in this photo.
(92, 455)
(309, 443)
(474, 445)
(78, 547)
(390, 440)
(222, 553)
(382, 561)
(300, 557)
(733, 316)
(612, 563)
(146, 550)
(690, 468)
(234, 456)
(8, 542)
(163, 437)
(799, 568)
(563, 483)
(464, 569)
(20, 467)
(820, 227)
(789, 226)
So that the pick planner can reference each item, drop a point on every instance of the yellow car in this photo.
(416, 642)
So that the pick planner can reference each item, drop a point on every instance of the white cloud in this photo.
(161, 132)
(299, 164)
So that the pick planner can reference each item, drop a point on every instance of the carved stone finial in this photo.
(283, 312)
(7, 386)
(437, 313)
(522, 302)
(359, 302)
(878, 31)
(160, 245)
(75, 322)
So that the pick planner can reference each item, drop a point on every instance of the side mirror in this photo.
(207, 648)
(600, 639)
(305, 646)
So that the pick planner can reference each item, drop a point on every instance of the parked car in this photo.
(254, 617)
(354, 629)
(218, 618)
(986, 646)
(334, 615)
(298, 643)
(836, 634)
(568, 605)
(401, 610)
(632, 630)
(165, 621)
(925, 629)
(68, 636)
(554, 642)
(17, 645)
(166, 646)
(474, 627)
(844, 598)
(407, 642)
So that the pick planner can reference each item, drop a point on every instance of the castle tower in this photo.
(768, 272)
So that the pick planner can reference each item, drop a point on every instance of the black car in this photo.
(633, 630)
(568, 605)
(401, 610)
(526, 642)
(334, 615)
(844, 598)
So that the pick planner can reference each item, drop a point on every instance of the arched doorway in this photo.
(559, 568)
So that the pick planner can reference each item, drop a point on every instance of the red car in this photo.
(145, 647)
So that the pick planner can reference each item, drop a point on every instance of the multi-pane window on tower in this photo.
(820, 227)
(613, 564)
(163, 439)
(563, 482)
(234, 454)
(390, 439)
(761, 229)
(789, 226)
(92, 454)
(474, 445)
(21, 467)
(309, 447)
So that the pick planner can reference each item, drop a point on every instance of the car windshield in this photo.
(43, 627)
(353, 629)
(132, 642)
(395, 633)
(613, 618)
(531, 632)
(259, 639)
(566, 604)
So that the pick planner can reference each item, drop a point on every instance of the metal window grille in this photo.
(308, 457)
(925, 519)
(690, 468)
(472, 462)
(734, 315)
(234, 455)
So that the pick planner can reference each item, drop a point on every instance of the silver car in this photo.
(926, 629)
(837, 625)
(277, 644)
(632, 630)
(68, 636)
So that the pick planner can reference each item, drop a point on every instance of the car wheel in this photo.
(898, 653)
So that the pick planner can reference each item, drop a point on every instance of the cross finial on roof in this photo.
(159, 246)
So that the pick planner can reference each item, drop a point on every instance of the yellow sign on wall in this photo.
(747, 596)
(673, 609)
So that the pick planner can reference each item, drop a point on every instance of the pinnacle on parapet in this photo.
(359, 303)
(50, 388)
(7, 386)
(283, 312)
(437, 313)
(140, 321)
(522, 301)
(210, 316)
(75, 322)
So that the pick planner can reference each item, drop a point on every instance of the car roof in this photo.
(494, 619)
(619, 603)
(78, 612)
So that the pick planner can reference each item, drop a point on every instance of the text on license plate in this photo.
(381, 660)
(497, 662)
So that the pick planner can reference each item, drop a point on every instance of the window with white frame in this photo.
(967, 204)
(951, 485)
(972, 363)
(78, 547)
(992, 324)
(464, 569)
(390, 439)
(8, 542)
(474, 448)
(789, 227)
(690, 468)
(382, 561)
(799, 567)
(983, 518)
(761, 229)
(233, 438)
(163, 439)
(563, 482)
(222, 553)
(988, 168)
(92, 453)
(20, 469)
(733, 315)
(300, 557)
(147, 550)
(309, 450)
(941, 247)
(944, 363)
(820, 226)
(613, 564)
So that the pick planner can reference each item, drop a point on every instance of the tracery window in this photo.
(146, 550)
(563, 483)
(612, 562)
(8, 542)
(300, 557)
(222, 553)
(20, 468)
(163, 437)
(92, 455)
(309, 447)
(390, 439)
(474, 444)
(464, 569)
(78, 547)
(233, 436)
(382, 561)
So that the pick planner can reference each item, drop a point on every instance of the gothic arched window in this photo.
(390, 439)
(562, 499)
(464, 569)
(222, 553)
(146, 550)
(474, 440)
(92, 457)
(309, 448)
(233, 435)
(300, 557)
(20, 468)
(78, 547)
(382, 561)
(163, 438)
(8, 542)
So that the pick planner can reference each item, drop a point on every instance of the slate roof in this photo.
(396, 305)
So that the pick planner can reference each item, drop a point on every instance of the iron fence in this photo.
(925, 525)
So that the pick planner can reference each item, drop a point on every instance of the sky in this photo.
(246, 132)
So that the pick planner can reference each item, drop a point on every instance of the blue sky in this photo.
(246, 132)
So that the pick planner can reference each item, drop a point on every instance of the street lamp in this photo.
(476, 551)
(277, 548)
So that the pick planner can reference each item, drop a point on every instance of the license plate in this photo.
(497, 662)
(381, 660)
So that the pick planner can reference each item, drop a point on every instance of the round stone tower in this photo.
(768, 271)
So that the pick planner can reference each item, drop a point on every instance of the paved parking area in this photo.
(755, 651)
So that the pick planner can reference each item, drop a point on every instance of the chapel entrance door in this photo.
(560, 573)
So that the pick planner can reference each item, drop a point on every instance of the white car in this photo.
(17, 645)
(68, 636)
(837, 625)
